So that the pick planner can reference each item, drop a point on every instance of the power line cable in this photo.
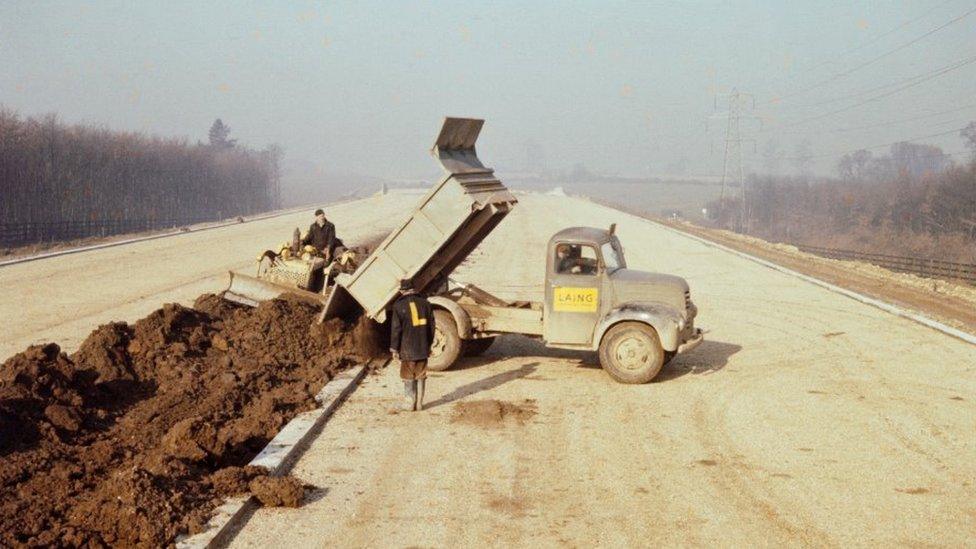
(873, 60)
(854, 95)
(880, 36)
(892, 122)
(944, 70)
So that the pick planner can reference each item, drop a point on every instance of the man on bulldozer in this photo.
(308, 269)
(321, 236)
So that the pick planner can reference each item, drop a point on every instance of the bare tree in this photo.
(853, 166)
(969, 134)
(914, 160)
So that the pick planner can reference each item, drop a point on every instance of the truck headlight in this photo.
(681, 324)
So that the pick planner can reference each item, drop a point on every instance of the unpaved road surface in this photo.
(64, 298)
(806, 418)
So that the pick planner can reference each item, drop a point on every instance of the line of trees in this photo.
(54, 173)
(915, 200)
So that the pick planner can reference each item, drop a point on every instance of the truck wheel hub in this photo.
(437, 346)
(631, 353)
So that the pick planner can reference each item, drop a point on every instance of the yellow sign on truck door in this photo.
(575, 300)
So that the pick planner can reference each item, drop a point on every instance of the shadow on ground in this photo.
(516, 345)
(484, 384)
(709, 357)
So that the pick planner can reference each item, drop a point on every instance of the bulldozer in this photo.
(293, 269)
(590, 300)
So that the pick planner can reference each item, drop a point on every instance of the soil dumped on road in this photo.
(492, 413)
(136, 437)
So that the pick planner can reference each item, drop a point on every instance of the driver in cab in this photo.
(570, 260)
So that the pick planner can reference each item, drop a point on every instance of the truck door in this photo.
(573, 292)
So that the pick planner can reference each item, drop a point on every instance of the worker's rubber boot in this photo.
(421, 385)
(409, 395)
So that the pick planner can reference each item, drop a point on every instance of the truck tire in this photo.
(447, 344)
(631, 352)
(475, 347)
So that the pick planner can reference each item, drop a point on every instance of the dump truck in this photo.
(591, 301)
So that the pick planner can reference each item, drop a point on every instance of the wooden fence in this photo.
(925, 267)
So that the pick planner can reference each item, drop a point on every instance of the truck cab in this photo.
(637, 320)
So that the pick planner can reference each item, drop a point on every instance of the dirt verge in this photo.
(951, 303)
(136, 437)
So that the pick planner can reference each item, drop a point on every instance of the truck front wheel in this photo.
(631, 352)
(446, 347)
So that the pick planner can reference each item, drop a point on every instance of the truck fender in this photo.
(460, 315)
(662, 318)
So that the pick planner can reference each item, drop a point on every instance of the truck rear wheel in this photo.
(631, 352)
(446, 347)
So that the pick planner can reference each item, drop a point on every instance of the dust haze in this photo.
(717, 288)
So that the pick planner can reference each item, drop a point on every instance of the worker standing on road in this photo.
(321, 235)
(411, 334)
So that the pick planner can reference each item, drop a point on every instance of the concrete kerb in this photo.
(168, 234)
(278, 457)
(884, 306)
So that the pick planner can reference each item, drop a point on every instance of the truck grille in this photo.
(687, 300)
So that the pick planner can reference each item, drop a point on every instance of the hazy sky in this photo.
(624, 88)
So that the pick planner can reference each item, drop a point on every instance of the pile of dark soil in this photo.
(136, 437)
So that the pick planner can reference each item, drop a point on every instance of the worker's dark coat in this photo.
(412, 327)
(323, 238)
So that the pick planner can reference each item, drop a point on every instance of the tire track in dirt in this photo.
(885, 398)
(934, 449)
(854, 353)
(733, 478)
(732, 475)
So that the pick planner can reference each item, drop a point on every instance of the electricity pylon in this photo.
(740, 106)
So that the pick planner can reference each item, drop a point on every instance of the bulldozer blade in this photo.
(251, 291)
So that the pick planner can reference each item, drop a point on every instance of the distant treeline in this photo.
(67, 181)
(914, 201)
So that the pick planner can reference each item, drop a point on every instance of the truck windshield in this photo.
(612, 257)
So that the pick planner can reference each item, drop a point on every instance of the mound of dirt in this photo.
(278, 491)
(136, 437)
(492, 413)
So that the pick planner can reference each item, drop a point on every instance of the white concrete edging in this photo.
(884, 306)
(278, 457)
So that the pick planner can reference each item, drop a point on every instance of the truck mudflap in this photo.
(694, 341)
